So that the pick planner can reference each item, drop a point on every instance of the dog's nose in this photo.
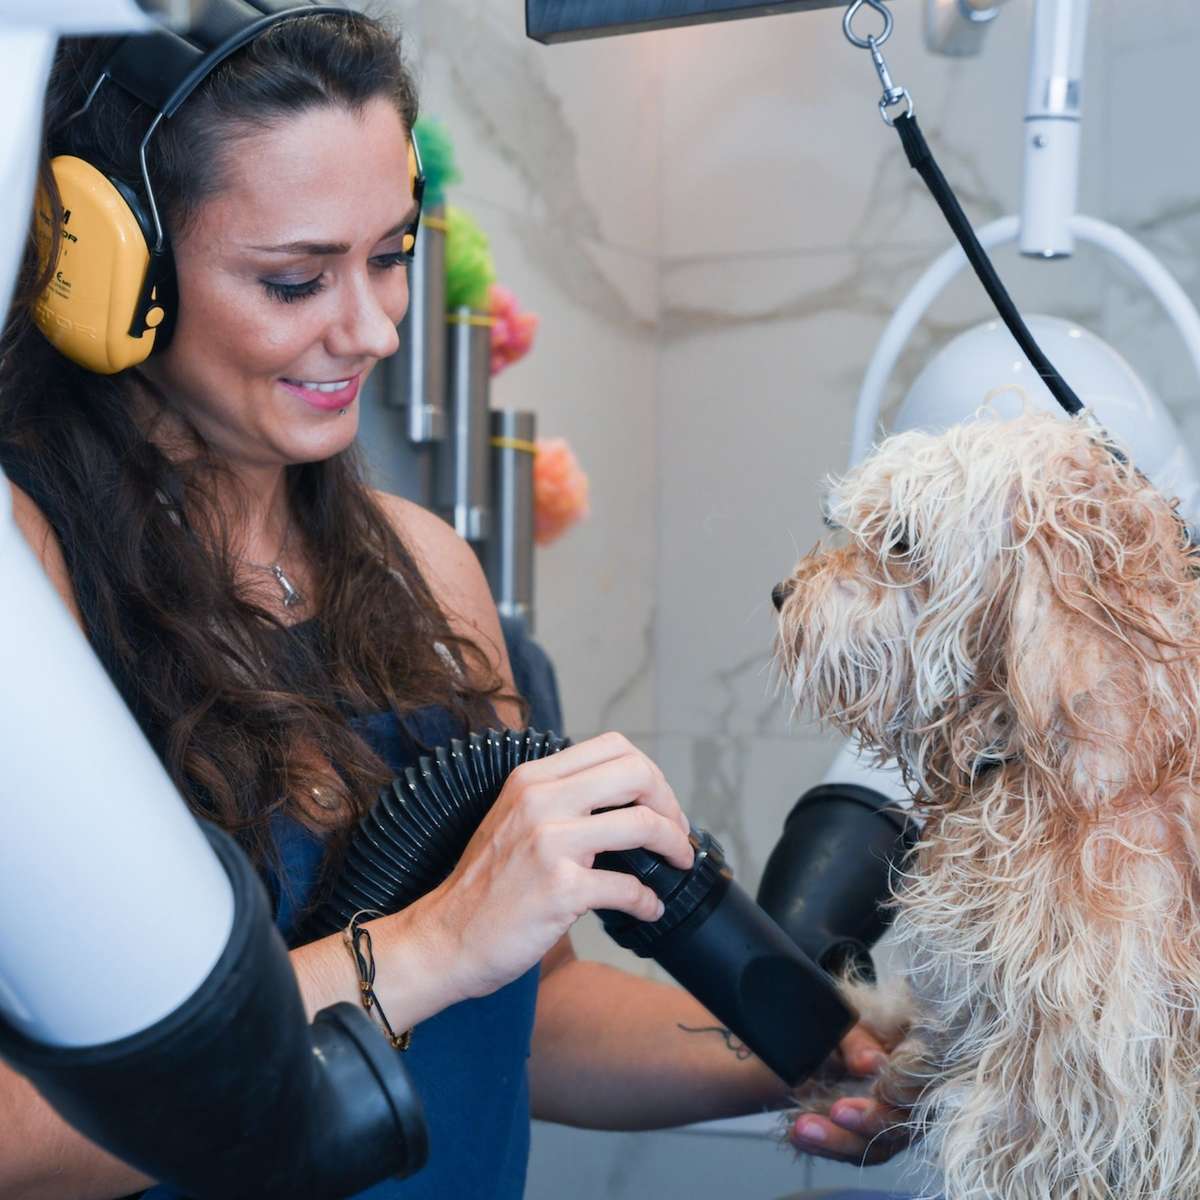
(779, 593)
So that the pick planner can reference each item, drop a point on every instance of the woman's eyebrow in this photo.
(321, 249)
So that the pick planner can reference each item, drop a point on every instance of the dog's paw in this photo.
(886, 1009)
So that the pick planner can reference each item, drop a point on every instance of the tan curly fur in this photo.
(1015, 617)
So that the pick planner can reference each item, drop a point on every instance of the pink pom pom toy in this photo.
(512, 334)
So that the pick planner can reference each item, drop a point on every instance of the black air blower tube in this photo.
(234, 1095)
(733, 958)
(712, 937)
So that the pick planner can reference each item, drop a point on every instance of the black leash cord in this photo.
(921, 159)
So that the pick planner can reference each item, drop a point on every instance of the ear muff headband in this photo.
(111, 298)
(416, 182)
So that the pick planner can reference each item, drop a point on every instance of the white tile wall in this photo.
(715, 227)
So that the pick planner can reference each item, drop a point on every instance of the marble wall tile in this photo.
(1157, 24)
(772, 142)
(741, 789)
(1151, 164)
(564, 135)
(591, 378)
(1155, 187)
(758, 375)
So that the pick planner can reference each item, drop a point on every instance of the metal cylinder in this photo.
(463, 459)
(396, 463)
(957, 28)
(419, 366)
(508, 553)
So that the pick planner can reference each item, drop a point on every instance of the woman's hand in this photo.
(526, 876)
(860, 1130)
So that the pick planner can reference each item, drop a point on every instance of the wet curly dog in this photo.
(1013, 613)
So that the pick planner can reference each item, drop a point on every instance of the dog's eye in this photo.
(899, 547)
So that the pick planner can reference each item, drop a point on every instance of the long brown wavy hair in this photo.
(247, 719)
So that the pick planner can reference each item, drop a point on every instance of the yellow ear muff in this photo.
(93, 296)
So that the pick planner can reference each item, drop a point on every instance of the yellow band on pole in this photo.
(507, 443)
(438, 223)
(473, 319)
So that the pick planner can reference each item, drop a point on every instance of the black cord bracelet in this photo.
(358, 941)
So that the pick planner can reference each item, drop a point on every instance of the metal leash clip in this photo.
(892, 95)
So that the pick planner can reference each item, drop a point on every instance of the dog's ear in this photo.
(1100, 640)
(1001, 651)
(1044, 654)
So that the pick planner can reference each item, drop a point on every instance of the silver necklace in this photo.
(292, 596)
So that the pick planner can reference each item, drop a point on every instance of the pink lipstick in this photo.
(326, 396)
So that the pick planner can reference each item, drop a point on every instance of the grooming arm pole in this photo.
(1052, 127)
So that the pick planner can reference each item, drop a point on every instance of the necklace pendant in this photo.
(291, 595)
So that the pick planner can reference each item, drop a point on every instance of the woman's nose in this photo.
(367, 329)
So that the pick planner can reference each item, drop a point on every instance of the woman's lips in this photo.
(324, 400)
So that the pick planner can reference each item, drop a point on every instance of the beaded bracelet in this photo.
(358, 941)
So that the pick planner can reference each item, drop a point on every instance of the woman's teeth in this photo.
(322, 387)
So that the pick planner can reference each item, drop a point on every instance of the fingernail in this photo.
(810, 1131)
(662, 908)
(874, 1061)
(848, 1118)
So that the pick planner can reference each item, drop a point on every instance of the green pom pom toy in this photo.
(437, 159)
(469, 267)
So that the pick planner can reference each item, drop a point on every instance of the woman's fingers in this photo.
(814, 1134)
(579, 757)
(623, 892)
(858, 1129)
(612, 782)
(627, 829)
(862, 1052)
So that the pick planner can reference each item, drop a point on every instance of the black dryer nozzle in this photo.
(829, 879)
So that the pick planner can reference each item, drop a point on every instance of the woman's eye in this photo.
(386, 262)
(288, 292)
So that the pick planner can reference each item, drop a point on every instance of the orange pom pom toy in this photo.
(560, 490)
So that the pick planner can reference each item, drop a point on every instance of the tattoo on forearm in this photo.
(740, 1050)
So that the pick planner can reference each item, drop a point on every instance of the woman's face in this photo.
(291, 284)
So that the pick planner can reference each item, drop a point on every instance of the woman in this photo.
(266, 617)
